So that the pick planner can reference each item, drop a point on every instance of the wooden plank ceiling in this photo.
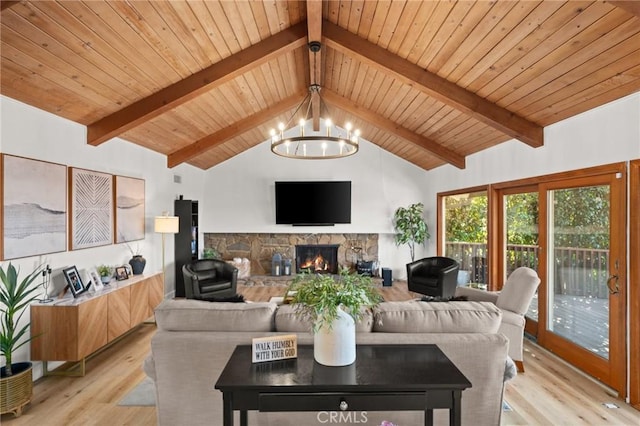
(429, 81)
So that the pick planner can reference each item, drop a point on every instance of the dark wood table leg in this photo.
(455, 413)
(243, 417)
(428, 412)
(227, 409)
(428, 417)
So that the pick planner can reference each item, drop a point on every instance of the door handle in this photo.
(615, 289)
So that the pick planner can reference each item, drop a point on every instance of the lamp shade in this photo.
(166, 224)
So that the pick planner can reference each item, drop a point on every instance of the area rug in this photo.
(142, 395)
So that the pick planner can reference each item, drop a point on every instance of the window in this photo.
(465, 237)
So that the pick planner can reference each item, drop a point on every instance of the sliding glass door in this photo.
(582, 298)
(571, 228)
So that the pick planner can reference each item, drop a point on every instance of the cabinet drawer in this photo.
(360, 401)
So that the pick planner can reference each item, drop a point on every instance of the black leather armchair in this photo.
(433, 276)
(208, 279)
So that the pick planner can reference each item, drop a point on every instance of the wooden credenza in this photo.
(72, 329)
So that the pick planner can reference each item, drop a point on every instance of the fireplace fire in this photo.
(317, 258)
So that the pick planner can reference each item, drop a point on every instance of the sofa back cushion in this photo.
(288, 320)
(436, 317)
(198, 315)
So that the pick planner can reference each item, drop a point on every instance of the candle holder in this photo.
(46, 280)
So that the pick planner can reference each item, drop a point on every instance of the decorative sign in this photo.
(273, 348)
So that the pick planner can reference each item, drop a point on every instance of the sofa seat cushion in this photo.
(436, 317)
(288, 320)
(209, 286)
(198, 315)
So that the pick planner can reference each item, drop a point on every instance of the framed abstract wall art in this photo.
(90, 208)
(129, 209)
(34, 207)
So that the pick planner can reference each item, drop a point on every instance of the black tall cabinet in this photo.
(186, 240)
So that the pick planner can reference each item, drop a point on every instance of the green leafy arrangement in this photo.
(14, 298)
(410, 227)
(210, 253)
(105, 270)
(316, 297)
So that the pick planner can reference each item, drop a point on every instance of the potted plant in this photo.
(410, 227)
(333, 304)
(210, 253)
(106, 273)
(16, 381)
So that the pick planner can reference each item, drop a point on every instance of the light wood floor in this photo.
(549, 393)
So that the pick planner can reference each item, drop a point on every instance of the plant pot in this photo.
(105, 280)
(137, 264)
(335, 345)
(16, 390)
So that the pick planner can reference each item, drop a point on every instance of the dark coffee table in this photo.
(383, 378)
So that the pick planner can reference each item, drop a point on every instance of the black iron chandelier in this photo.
(303, 142)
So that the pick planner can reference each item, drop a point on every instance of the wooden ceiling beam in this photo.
(201, 82)
(631, 6)
(6, 4)
(223, 135)
(433, 85)
(314, 24)
(375, 119)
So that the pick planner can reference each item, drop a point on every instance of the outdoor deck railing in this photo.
(579, 272)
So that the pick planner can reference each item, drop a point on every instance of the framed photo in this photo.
(121, 273)
(73, 280)
(33, 214)
(90, 208)
(129, 209)
(96, 283)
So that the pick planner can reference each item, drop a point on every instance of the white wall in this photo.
(29, 132)
(240, 194)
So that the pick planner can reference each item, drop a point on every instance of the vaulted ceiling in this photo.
(429, 81)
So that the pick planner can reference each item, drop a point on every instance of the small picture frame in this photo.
(95, 280)
(121, 273)
(74, 280)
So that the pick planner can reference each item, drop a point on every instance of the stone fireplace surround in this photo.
(259, 248)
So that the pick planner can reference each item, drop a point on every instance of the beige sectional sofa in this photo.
(195, 339)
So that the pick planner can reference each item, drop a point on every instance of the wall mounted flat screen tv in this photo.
(313, 203)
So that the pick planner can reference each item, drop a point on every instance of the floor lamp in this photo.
(166, 225)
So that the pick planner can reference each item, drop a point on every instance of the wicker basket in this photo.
(16, 391)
